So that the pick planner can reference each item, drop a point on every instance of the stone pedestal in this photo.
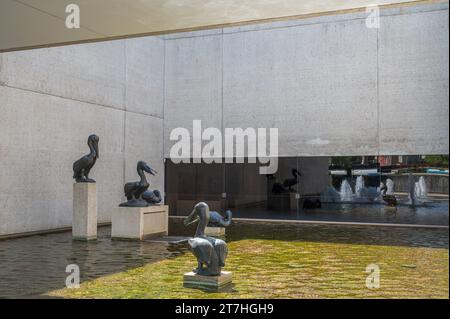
(215, 231)
(213, 283)
(140, 222)
(296, 202)
(84, 220)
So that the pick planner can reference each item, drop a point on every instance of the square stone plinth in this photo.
(140, 222)
(294, 201)
(215, 231)
(84, 219)
(192, 280)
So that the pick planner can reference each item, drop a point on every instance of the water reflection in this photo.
(429, 213)
(32, 266)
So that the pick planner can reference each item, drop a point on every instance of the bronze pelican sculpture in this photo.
(277, 188)
(210, 252)
(134, 190)
(152, 196)
(292, 181)
(217, 220)
(391, 200)
(83, 166)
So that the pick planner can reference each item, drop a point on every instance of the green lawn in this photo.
(288, 269)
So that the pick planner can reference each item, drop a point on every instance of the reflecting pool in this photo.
(287, 256)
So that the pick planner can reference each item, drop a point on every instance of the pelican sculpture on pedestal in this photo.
(134, 190)
(289, 182)
(210, 252)
(391, 200)
(152, 196)
(217, 220)
(82, 167)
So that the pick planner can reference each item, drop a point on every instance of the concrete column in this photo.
(84, 222)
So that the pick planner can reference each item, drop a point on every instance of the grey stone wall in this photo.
(330, 84)
(51, 100)
(436, 184)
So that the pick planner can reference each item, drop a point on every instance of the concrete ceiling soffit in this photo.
(36, 23)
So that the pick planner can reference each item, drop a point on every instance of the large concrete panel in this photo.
(193, 84)
(93, 73)
(330, 85)
(50, 101)
(41, 137)
(144, 142)
(315, 83)
(414, 89)
(144, 76)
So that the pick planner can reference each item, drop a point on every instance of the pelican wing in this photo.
(130, 188)
(202, 249)
(221, 250)
(79, 165)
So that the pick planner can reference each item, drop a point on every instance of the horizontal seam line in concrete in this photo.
(318, 222)
(81, 101)
(293, 25)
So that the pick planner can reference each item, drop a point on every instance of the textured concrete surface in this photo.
(414, 83)
(437, 184)
(331, 85)
(91, 73)
(84, 220)
(144, 76)
(193, 84)
(215, 231)
(298, 79)
(50, 101)
(138, 222)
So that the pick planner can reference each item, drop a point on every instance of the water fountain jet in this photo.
(346, 191)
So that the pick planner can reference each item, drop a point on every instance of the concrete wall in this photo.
(331, 85)
(436, 184)
(51, 100)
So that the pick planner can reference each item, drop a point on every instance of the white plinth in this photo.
(293, 201)
(84, 220)
(215, 231)
(139, 222)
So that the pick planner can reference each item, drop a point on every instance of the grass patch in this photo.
(288, 269)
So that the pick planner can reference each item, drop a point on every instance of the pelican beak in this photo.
(189, 221)
(149, 170)
(192, 218)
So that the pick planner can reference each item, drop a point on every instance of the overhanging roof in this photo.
(36, 23)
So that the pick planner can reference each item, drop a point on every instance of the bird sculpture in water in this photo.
(391, 200)
(217, 220)
(209, 251)
(83, 166)
(292, 181)
(134, 190)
